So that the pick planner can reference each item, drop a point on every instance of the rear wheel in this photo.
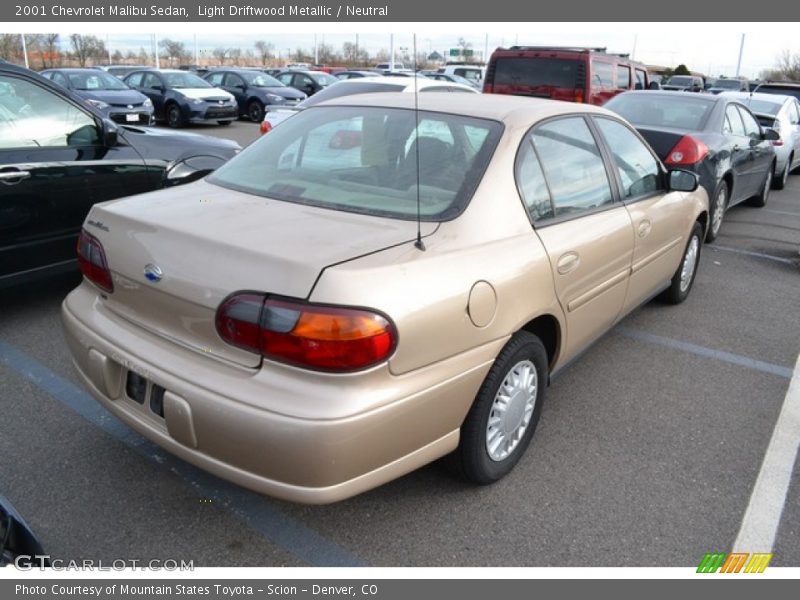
(779, 181)
(682, 280)
(174, 117)
(255, 111)
(761, 199)
(719, 202)
(501, 421)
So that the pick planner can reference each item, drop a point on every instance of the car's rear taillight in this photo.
(265, 127)
(579, 96)
(329, 338)
(687, 151)
(92, 261)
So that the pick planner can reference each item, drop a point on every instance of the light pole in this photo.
(741, 51)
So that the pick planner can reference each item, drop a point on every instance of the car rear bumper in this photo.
(218, 416)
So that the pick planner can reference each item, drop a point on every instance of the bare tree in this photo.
(300, 56)
(326, 54)
(51, 50)
(264, 50)
(788, 66)
(86, 47)
(144, 56)
(117, 57)
(236, 55)
(11, 47)
(220, 54)
(174, 52)
(354, 55)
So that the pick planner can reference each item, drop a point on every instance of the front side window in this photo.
(151, 81)
(623, 77)
(638, 169)
(364, 159)
(215, 78)
(285, 78)
(135, 80)
(573, 166)
(31, 116)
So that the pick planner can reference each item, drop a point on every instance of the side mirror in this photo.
(654, 85)
(683, 181)
(157, 88)
(770, 134)
(110, 133)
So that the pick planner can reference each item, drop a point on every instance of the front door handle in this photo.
(644, 228)
(14, 177)
(568, 262)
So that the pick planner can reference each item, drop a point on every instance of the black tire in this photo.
(761, 200)
(717, 202)
(255, 111)
(174, 116)
(677, 291)
(779, 181)
(224, 123)
(472, 459)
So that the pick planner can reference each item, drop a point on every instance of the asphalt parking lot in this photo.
(647, 451)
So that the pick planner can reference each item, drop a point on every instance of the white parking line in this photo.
(763, 515)
(786, 261)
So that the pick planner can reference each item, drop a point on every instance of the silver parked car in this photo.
(781, 113)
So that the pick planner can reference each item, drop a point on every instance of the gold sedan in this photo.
(370, 287)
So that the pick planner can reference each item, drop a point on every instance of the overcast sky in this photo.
(712, 48)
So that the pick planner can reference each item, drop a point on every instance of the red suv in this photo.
(588, 75)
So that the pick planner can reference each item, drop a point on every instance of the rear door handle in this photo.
(568, 262)
(13, 177)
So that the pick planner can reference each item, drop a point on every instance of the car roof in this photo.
(513, 110)
(675, 94)
(774, 98)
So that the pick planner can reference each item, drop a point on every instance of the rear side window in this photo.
(536, 72)
(532, 185)
(638, 170)
(602, 74)
(573, 166)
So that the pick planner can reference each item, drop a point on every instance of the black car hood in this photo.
(284, 91)
(174, 145)
(113, 96)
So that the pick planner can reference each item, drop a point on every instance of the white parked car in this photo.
(363, 85)
(781, 113)
(473, 73)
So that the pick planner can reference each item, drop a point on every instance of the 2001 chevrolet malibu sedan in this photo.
(371, 287)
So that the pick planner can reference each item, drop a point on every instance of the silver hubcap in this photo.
(689, 263)
(719, 209)
(511, 410)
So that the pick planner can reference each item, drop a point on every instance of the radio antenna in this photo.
(419, 244)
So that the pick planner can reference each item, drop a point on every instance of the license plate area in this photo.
(132, 118)
(145, 393)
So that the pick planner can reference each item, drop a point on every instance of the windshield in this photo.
(683, 111)
(728, 84)
(679, 80)
(364, 159)
(184, 80)
(323, 78)
(783, 91)
(261, 80)
(95, 81)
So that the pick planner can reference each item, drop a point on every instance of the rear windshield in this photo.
(762, 106)
(728, 84)
(774, 89)
(95, 81)
(680, 80)
(536, 72)
(348, 89)
(683, 111)
(364, 160)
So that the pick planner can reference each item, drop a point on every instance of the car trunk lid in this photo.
(208, 242)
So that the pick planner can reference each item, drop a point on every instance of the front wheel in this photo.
(682, 280)
(255, 111)
(718, 204)
(503, 417)
(174, 117)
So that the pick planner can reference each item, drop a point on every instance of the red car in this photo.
(588, 75)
